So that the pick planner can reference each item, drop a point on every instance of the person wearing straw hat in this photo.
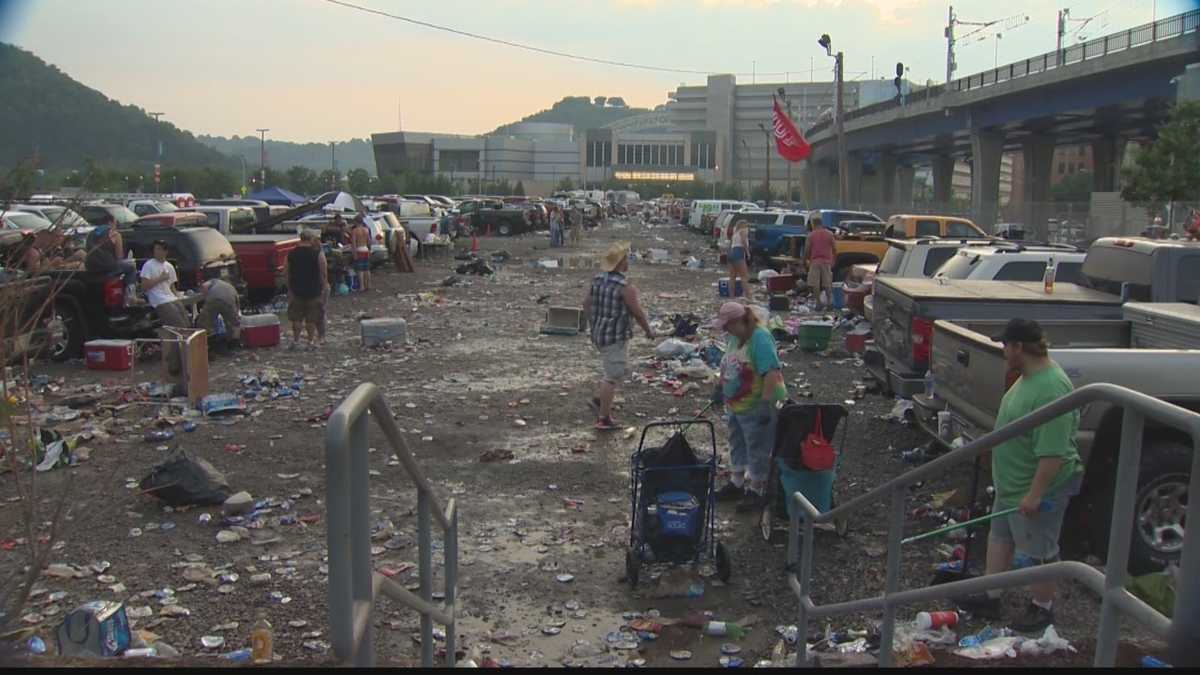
(751, 384)
(611, 305)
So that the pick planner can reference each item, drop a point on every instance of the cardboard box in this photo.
(108, 354)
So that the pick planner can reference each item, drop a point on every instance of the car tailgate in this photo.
(969, 371)
(892, 322)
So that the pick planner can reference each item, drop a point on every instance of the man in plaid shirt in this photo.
(610, 304)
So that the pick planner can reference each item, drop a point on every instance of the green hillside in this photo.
(580, 111)
(355, 153)
(49, 114)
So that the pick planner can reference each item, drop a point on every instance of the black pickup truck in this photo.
(496, 216)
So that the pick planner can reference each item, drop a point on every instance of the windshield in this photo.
(891, 261)
(19, 220)
(63, 217)
(960, 266)
(241, 220)
(1107, 267)
(123, 215)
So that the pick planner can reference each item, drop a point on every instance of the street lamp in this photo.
(262, 158)
(157, 149)
(767, 180)
(843, 160)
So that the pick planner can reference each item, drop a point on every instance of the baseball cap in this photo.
(730, 311)
(1020, 330)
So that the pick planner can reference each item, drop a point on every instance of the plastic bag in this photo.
(672, 347)
(183, 480)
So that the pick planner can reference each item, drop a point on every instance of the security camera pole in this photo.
(843, 158)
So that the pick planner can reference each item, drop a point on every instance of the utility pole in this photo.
(767, 161)
(950, 64)
(332, 167)
(843, 157)
(262, 158)
(1062, 31)
(157, 150)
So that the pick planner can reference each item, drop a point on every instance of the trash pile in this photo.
(268, 385)
(681, 367)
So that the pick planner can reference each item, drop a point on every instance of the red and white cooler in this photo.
(108, 354)
(260, 330)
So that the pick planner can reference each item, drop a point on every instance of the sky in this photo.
(310, 70)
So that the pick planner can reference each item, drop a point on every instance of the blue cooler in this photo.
(816, 486)
(839, 295)
(678, 514)
(723, 288)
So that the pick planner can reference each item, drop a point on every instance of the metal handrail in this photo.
(1164, 29)
(1110, 584)
(353, 585)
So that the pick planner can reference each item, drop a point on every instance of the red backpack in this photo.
(816, 454)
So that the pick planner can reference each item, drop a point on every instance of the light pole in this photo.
(839, 116)
(243, 158)
(262, 158)
(767, 158)
(716, 168)
(788, 103)
(157, 148)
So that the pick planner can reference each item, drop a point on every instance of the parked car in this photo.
(145, 207)
(98, 213)
(702, 208)
(261, 257)
(481, 216)
(1114, 270)
(909, 259)
(1014, 263)
(22, 220)
(1154, 348)
(60, 216)
(908, 226)
(832, 218)
(767, 230)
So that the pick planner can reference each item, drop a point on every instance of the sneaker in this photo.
(606, 424)
(752, 501)
(980, 606)
(730, 492)
(1033, 620)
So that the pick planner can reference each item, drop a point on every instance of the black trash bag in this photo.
(183, 480)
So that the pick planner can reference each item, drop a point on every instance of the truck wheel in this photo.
(66, 332)
(504, 229)
(1160, 507)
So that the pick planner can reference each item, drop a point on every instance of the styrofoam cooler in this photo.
(261, 330)
(378, 331)
(108, 354)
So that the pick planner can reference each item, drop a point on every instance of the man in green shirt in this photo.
(1038, 472)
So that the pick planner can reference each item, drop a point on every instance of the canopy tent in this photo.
(278, 196)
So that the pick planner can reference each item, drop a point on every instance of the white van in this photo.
(711, 207)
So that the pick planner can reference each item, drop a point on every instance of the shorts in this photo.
(736, 255)
(212, 309)
(820, 277)
(362, 261)
(309, 310)
(1035, 537)
(614, 361)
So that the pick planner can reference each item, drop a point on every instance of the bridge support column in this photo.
(1037, 153)
(903, 195)
(987, 147)
(1108, 154)
(943, 178)
(887, 178)
(854, 178)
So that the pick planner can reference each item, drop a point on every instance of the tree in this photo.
(1168, 170)
(519, 190)
(360, 181)
(616, 102)
(1076, 187)
(600, 100)
(301, 180)
(565, 185)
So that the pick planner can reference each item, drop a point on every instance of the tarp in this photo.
(277, 196)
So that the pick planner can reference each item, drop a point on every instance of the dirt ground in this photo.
(477, 377)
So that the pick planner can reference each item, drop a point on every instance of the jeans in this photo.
(556, 236)
(752, 439)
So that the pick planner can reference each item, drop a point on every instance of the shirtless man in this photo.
(360, 239)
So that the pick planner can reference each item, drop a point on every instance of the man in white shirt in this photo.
(158, 281)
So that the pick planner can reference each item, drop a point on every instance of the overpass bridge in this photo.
(1105, 92)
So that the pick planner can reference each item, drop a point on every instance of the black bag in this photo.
(182, 480)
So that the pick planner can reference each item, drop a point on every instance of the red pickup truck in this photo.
(260, 256)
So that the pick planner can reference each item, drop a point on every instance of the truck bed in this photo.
(996, 291)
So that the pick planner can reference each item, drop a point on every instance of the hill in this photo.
(355, 153)
(582, 112)
(49, 114)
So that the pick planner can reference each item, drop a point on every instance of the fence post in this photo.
(338, 546)
(1119, 532)
(450, 555)
(1185, 623)
(360, 539)
(895, 533)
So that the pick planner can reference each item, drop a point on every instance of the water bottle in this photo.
(219, 325)
(929, 383)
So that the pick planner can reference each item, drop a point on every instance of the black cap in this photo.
(1020, 330)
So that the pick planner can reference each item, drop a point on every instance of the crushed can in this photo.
(97, 628)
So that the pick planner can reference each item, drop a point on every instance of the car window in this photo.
(937, 256)
(957, 228)
(1070, 273)
(1188, 279)
(213, 218)
(19, 220)
(959, 266)
(1026, 270)
(891, 261)
(929, 228)
(794, 219)
(144, 209)
(240, 220)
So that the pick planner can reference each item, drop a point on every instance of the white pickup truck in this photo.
(1154, 349)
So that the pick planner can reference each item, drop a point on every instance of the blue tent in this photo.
(278, 196)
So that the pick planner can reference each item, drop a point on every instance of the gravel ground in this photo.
(477, 377)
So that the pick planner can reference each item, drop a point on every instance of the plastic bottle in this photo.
(1151, 662)
(724, 629)
(979, 638)
(936, 620)
(929, 382)
(262, 641)
(1048, 277)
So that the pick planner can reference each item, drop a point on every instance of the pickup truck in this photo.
(495, 216)
(1153, 349)
(908, 259)
(1114, 270)
(261, 257)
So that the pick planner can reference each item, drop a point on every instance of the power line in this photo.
(531, 48)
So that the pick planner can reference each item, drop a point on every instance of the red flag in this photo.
(788, 140)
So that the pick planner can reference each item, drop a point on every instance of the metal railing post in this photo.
(450, 555)
(338, 545)
(1132, 424)
(1185, 622)
(425, 563)
(895, 533)
(363, 588)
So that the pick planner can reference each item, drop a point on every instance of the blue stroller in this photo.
(673, 500)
